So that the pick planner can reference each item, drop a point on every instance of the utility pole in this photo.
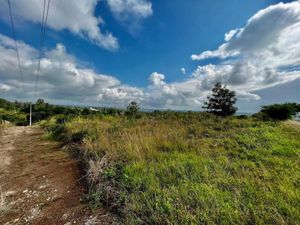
(30, 114)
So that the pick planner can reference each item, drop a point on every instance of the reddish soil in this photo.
(39, 182)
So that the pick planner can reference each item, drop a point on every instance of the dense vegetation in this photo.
(11, 112)
(18, 112)
(189, 168)
(180, 167)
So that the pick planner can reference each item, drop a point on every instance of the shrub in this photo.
(79, 136)
(132, 110)
(242, 117)
(13, 116)
(279, 111)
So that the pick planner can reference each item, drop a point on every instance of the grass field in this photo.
(189, 168)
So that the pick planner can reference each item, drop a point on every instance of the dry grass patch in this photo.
(190, 168)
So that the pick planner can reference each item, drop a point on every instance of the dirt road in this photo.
(39, 182)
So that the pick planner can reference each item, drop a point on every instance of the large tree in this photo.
(221, 102)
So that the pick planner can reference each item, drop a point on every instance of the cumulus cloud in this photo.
(76, 16)
(262, 54)
(253, 58)
(157, 79)
(124, 9)
(61, 79)
(130, 12)
(255, 39)
(221, 52)
(79, 16)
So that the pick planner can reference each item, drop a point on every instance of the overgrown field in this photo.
(189, 168)
(13, 116)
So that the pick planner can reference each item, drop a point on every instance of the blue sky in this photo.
(155, 39)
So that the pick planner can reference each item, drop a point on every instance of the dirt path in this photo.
(39, 182)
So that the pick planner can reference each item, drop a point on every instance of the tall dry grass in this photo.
(191, 168)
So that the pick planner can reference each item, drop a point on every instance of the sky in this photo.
(163, 54)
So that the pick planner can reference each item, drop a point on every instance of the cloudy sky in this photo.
(164, 54)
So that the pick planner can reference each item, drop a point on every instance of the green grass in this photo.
(191, 168)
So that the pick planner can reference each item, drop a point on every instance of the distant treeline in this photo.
(18, 112)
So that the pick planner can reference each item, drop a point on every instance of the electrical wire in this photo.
(42, 40)
(16, 45)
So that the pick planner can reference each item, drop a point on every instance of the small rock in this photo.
(42, 187)
(65, 216)
(10, 193)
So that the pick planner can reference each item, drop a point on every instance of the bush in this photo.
(79, 136)
(242, 117)
(57, 131)
(132, 110)
(13, 116)
(279, 111)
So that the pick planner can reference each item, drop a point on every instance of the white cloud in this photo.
(183, 71)
(76, 16)
(259, 58)
(157, 79)
(122, 9)
(4, 87)
(130, 12)
(61, 80)
(121, 94)
(253, 58)
(79, 17)
(259, 55)
(254, 38)
(221, 52)
(229, 35)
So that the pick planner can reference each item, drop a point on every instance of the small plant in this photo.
(132, 110)
(79, 136)
(221, 102)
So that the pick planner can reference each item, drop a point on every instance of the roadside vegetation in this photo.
(189, 168)
(18, 112)
(166, 167)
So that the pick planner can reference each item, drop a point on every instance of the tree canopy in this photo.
(221, 102)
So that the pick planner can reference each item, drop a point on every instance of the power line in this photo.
(16, 46)
(40, 50)
(42, 40)
(46, 19)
